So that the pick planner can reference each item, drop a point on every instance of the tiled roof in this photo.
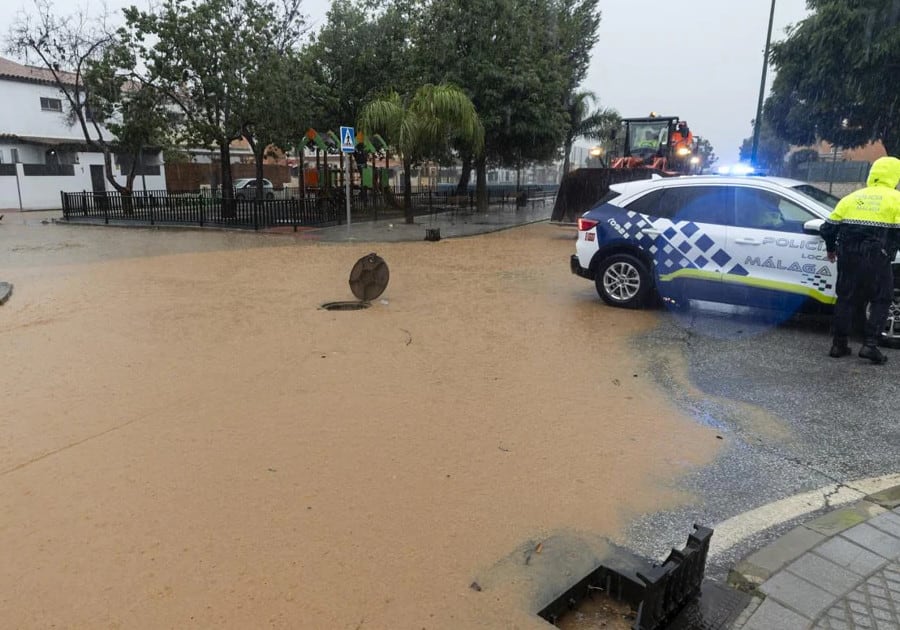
(11, 70)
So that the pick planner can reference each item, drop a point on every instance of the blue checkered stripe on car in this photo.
(817, 282)
(681, 245)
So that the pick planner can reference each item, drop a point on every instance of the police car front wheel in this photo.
(624, 281)
(891, 335)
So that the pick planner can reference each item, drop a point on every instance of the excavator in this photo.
(656, 145)
(662, 143)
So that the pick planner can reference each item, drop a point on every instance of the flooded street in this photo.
(187, 440)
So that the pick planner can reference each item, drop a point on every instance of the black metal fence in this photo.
(161, 208)
(291, 207)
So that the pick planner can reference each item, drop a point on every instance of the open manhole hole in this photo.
(345, 306)
(368, 280)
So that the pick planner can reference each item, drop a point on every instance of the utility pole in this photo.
(757, 123)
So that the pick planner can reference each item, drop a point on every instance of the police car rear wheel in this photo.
(623, 281)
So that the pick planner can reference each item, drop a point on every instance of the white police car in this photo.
(750, 241)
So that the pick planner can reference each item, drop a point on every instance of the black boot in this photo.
(873, 354)
(839, 348)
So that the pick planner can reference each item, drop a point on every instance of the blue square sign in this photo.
(348, 140)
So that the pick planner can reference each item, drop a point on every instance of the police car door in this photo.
(691, 249)
(779, 266)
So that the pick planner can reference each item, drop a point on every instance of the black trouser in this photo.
(863, 277)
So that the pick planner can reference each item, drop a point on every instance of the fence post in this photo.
(106, 213)
(65, 205)
(256, 214)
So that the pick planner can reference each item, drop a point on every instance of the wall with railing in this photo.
(41, 184)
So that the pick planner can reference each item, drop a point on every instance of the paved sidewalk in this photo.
(840, 571)
(450, 224)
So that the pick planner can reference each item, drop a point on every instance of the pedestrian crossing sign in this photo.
(348, 140)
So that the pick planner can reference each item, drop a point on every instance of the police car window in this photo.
(648, 204)
(701, 204)
(612, 194)
(765, 210)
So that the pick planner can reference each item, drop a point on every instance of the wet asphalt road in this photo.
(791, 418)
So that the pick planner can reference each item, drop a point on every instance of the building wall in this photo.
(9, 195)
(21, 113)
(42, 192)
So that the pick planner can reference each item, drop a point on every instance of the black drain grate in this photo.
(659, 593)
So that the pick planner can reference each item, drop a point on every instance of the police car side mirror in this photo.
(813, 226)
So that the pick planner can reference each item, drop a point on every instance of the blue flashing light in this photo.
(736, 169)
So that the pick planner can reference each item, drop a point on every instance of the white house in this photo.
(43, 153)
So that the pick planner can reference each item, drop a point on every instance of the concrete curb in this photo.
(810, 563)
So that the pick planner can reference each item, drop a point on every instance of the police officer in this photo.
(863, 234)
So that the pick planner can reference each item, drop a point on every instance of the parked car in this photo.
(245, 188)
(750, 241)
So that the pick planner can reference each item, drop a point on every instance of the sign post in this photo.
(348, 145)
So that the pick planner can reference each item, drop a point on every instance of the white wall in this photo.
(42, 192)
(83, 175)
(21, 114)
(9, 197)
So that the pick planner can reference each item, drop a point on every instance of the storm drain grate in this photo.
(659, 593)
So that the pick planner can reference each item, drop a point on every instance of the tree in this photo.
(363, 49)
(135, 113)
(835, 72)
(114, 117)
(206, 56)
(583, 122)
(272, 107)
(771, 152)
(706, 153)
(518, 60)
(422, 126)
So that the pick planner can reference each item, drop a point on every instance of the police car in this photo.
(751, 241)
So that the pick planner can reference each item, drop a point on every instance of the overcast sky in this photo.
(697, 59)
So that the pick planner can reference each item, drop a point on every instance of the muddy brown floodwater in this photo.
(187, 440)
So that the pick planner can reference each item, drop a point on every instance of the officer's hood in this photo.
(885, 172)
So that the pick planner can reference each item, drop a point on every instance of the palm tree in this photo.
(422, 126)
(584, 122)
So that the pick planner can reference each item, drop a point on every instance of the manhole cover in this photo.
(345, 306)
(369, 277)
(5, 291)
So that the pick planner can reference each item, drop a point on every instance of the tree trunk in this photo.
(407, 191)
(891, 141)
(463, 186)
(110, 174)
(228, 208)
(260, 174)
(481, 196)
(518, 176)
(568, 152)
(127, 201)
